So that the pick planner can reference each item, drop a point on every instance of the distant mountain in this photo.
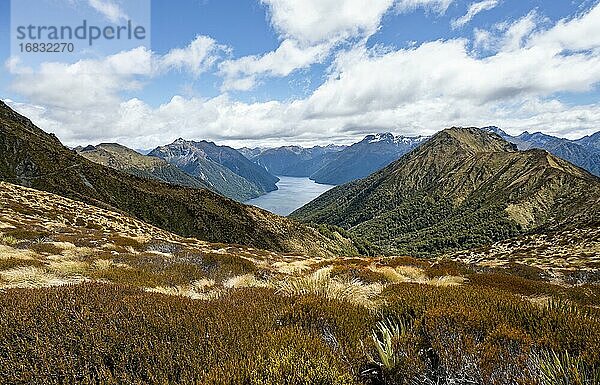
(293, 160)
(584, 152)
(223, 168)
(125, 159)
(32, 158)
(591, 142)
(334, 164)
(462, 188)
(251, 153)
(365, 157)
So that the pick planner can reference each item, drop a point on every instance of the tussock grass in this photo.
(12, 262)
(563, 369)
(293, 267)
(68, 267)
(246, 280)
(412, 274)
(34, 277)
(321, 283)
(46, 248)
(8, 240)
(386, 336)
(447, 280)
(459, 334)
(199, 290)
(7, 252)
(104, 264)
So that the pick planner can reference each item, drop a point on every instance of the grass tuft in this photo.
(334, 288)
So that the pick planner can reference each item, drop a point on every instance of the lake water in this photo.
(293, 193)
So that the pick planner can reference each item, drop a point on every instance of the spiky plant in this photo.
(564, 369)
(385, 336)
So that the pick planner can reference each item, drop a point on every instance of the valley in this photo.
(315, 192)
(484, 256)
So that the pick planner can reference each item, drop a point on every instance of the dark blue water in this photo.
(293, 193)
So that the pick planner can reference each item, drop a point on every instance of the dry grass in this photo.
(412, 274)
(293, 267)
(246, 280)
(321, 283)
(198, 290)
(8, 240)
(34, 277)
(68, 267)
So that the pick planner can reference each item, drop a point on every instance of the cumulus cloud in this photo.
(416, 90)
(196, 58)
(240, 74)
(97, 83)
(438, 6)
(473, 10)
(84, 84)
(109, 9)
(310, 29)
(316, 21)
(527, 64)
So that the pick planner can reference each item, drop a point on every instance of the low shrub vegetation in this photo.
(418, 334)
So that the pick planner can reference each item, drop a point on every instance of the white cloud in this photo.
(317, 21)
(473, 10)
(197, 57)
(240, 74)
(517, 32)
(310, 29)
(577, 34)
(438, 6)
(369, 81)
(417, 90)
(109, 9)
(86, 83)
(93, 83)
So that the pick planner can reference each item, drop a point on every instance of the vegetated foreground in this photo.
(93, 296)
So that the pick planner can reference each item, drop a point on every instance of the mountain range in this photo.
(335, 164)
(33, 158)
(462, 188)
(365, 157)
(584, 152)
(292, 160)
(125, 159)
(222, 168)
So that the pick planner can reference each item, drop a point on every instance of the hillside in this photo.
(94, 296)
(584, 152)
(463, 188)
(364, 158)
(33, 158)
(125, 159)
(221, 167)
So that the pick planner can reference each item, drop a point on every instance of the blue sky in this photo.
(274, 72)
